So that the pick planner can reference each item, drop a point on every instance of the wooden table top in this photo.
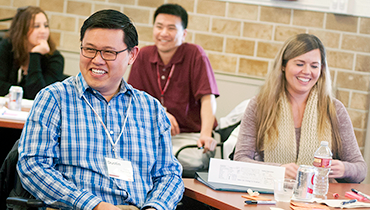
(233, 200)
(16, 124)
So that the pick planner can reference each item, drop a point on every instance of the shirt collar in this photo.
(82, 86)
(178, 57)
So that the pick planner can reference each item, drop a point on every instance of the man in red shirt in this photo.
(180, 76)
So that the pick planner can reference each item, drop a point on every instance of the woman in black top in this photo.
(28, 57)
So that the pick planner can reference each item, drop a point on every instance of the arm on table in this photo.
(355, 167)
(246, 144)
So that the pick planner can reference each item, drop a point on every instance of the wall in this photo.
(346, 7)
(240, 39)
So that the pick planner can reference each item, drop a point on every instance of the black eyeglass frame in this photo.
(101, 54)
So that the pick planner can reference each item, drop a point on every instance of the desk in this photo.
(15, 124)
(233, 200)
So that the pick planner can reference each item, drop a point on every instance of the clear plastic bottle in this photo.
(322, 163)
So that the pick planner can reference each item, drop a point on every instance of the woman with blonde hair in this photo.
(294, 111)
(28, 57)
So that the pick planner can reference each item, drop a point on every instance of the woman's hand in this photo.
(337, 169)
(290, 170)
(42, 47)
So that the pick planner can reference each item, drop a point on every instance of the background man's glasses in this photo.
(107, 55)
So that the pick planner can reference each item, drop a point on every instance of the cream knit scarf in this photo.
(284, 150)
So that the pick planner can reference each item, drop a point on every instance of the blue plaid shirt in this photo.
(63, 147)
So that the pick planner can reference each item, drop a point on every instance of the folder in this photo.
(203, 178)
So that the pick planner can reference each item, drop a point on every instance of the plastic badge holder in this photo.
(356, 196)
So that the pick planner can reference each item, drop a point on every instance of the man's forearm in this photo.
(207, 114)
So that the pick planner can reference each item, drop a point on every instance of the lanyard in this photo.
(105, 128)
(167, 82)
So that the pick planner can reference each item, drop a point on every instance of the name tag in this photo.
(119, 169)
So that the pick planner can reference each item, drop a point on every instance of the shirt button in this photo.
(111, 132)
(164, 69)
(163, 77)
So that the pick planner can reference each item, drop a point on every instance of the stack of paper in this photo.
(6, 113)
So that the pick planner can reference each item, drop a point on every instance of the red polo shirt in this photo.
(192, 78)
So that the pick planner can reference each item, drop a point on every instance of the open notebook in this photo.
(203, 177)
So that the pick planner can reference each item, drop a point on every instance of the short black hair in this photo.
(112, 19)
(173, 9)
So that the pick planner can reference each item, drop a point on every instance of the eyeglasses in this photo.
(107, 55)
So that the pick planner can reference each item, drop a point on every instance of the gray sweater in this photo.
(355, 166)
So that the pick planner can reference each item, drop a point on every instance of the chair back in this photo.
(225, 132)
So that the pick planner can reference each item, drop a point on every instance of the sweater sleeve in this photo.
(354, 163)
(43, 70)
(245, 149)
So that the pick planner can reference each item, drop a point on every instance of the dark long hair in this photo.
(19, 30)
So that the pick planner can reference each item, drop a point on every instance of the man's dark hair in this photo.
(112, 19)
(173, 9)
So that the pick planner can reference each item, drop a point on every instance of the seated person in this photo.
(180, 76)
(93, 141)
(28, 57)
(294, 111)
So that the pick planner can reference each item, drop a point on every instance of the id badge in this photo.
(119, 169)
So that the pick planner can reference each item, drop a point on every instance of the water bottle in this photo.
(322, 163)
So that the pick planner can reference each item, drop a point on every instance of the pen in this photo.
(348, 202)
(362, 194)
(260, 202)
(200, 147)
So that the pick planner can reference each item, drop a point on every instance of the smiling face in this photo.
(168, 33)
(302, 72)
(39, 30)
(105, 76)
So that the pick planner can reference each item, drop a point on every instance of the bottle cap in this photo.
(324, 143)
(16, 88)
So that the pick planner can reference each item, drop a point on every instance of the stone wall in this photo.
(240, 39)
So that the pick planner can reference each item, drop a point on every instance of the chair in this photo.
(224, 135)
(31, 204)
(225, 128)
(12, 194)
